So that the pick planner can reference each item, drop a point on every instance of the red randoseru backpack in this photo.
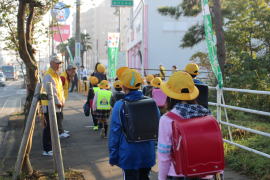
(197, 146)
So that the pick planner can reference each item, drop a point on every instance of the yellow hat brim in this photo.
(131, 87)
(179, 96)
(94, 83)
(195, 73)
(153, 84)
(104, 87)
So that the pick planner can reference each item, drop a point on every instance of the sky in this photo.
(85, 6)
(43, 49)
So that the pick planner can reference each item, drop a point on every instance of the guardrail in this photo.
(221, 104)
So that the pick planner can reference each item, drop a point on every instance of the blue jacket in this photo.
(128, 155)
(197, 81)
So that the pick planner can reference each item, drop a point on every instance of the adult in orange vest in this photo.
(66, 78)
(52, 75)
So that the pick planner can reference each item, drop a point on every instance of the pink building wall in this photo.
(133, 53)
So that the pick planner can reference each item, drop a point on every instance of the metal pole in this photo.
(27, 134)
(52, 28)
(78, 36)
(52, 37)
(143, 35)
(119, 30)
(219, 95)
(49, 37)
(97, 51)
(57, 154)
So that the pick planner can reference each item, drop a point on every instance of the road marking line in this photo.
(88, 126)
(3, 106)
(4, 96)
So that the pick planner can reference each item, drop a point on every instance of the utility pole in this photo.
(119, 30)
(52, 24)
(78, 35)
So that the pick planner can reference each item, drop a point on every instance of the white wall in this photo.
(165, 35)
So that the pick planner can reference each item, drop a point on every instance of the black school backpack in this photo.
(118, 95)
(202, 99)
(141, 118)
(147, 91)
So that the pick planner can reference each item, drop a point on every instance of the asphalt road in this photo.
(10, 102)
(10, 99)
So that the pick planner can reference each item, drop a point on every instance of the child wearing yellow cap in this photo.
(102, 107)
(162, 73)
(147, 90)
(181, 102)
(117, 93)
(193, 70)
(93, 88)
(135, 158)
(100, 72)
(158, 95)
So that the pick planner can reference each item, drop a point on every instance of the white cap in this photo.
(55, 58)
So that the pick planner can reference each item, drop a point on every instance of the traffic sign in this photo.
(64, 30)
(60, 12)
(122, 3)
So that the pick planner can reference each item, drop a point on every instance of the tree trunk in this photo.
(27, 55)
(217, 18)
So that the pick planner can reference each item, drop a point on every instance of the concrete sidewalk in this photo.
(84, 150)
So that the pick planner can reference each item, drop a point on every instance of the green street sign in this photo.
(122, 3)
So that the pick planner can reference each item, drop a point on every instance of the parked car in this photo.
(2, 79)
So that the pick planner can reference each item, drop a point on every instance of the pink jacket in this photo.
(165, 164)
(159, 97)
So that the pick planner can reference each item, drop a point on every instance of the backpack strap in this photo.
(122, 115)
(173, 116)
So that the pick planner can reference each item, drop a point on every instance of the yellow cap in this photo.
(117, 84)
(121, 70)
(101, 68)
(149, 77)
(162, 68)
(180, 86)
(156, 82)
(129, 78)
(93, 80)
(104, 84)
(192, 69)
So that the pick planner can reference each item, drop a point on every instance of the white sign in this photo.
(113, 40)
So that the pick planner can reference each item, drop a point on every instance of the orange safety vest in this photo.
(66, 85)
(58, 85)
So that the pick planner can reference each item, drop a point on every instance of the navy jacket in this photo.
(128, 155)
